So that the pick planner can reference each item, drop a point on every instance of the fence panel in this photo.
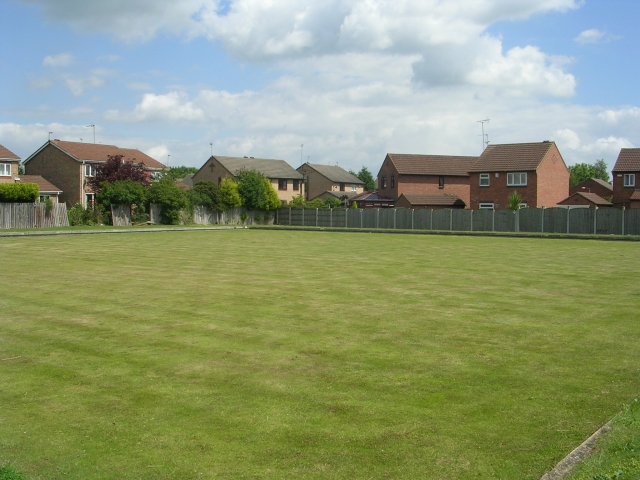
(120, 215)
(609, 221)
(441, 219)
(483, 220)
(404, 218)
(531, 219)
(580, 220)
(505, 221)
(632, 221)
(461, 220)
(33, 215)
(555, 220)
(422, 219)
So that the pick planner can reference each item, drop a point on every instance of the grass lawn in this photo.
(284, 354)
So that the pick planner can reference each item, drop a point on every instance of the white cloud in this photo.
(610, 145)
(590, 36)
(567, 138)
(159, 152)
(78, 85)
(615, 116)
(60, 60)
(172, 107)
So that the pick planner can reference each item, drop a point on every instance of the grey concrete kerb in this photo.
(40, 233)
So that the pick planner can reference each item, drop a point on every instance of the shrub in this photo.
(229, 193)
(171, 198)
(18, 192)
(514, 201)
(256, 191)
(121, 192)
(206, 194)
(116, 169)
(92, 215)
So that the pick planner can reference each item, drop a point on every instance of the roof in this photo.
(97, 152)
(187, 180)
(268, 167)
(512, 157)
(43, 185)
(604, 183)
(591, 197)
(335, 174)
(6, 154)
(444, 199)
(635, 195)
(371, 197)
(339, 195)
(628, 160)
(409, 164)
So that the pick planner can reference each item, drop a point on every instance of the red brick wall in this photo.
(553, 179)
(61, 170)
(430, 184)
(622, 194)
(387, 169)
(591, 186)
(498, 193)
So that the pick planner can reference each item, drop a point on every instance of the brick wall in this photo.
(591, 186)
(553, 179)
(61, 170)
(431, 184)
(316, 183)
(498, 192)
(622, 194)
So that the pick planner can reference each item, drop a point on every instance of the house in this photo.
(425, 174)
(47, 189)
(69, 164)
(590, 200)
(320, 179)
(594, 185)
(429, 200)
(9, 165)
(344, 197)
(535, 170)
(626, 179)
(371, 200)
(286, 181)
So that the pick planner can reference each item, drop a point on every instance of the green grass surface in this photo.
(275, 354)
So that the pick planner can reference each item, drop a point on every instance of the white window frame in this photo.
(89, 170)
(5, 169)
(354, 187)
(522, 205)
(484, 176)
(486, 206)
(629, 179)
(517, 179)
(89, 199)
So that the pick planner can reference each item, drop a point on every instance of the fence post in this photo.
(595, 220)
(472, 220)
(623, 208)
(377, 218)
(542, 228)
(361, 212)
(330, 217)
(493, 219)
(431, 220)
(451, 219)
(303, 216)
(289, 216)
(568, 212)
(395, 211)
(316, 217)
(412, 212)
(517, 212)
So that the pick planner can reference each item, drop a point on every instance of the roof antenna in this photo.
(94, 131)
(482, 122)
(50, 135)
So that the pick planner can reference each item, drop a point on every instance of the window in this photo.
(342, 187)
(523, 205)
(296, 185)
(517, 179)
(5, 169)
(354, 188)
(629, 179)
(441, 181)
(89, 170)
(43, 198)
(484, 179)
(486, 206)
(383, 183)
(90, 199)
(282, 184)
(393, 181)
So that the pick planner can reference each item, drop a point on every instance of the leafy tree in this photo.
(121, 192)
(18, 192)
(206, 194)
(170, 197)
(229, 193)
(117, 169)
(177, 173)
(514, 201)
(584, 171)
(365, 176)
(256, 191)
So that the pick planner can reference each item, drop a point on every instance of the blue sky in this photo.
(349, 79)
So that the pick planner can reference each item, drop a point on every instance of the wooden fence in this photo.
(33, 215)
(120, 215)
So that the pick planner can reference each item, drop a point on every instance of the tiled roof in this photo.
(339, 195)
(268, 167)
(511, 157)
(635, 195)
(371, 196)
(442, 199)
(6, 154)
(97, 152)
(409, 164)
(593, 198)
(335, 174)
(43, 185)
(604, 183)
(628, 160)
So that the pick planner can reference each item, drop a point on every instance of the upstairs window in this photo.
(517, 179)
(342, 187)
(629, 179)
(441, 181)
(393, 181)
(89, 170)
(296, 185)
(354, 188)
(282, 184)
(484, 179)
(5, 169)
(383, 182)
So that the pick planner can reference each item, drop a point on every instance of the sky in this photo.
(350, 80)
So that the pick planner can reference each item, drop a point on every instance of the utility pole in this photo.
(94, 132)
(482, 122)
(211, 144)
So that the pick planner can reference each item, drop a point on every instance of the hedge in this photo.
(18, 192)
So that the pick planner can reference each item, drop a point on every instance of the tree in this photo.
(116, 169)
(584, 171)
(177, 173)
(206, 194)
(121, 192)
(171, 198)
(514, 201)
(365, 176)
(229, 193)
(256, 191)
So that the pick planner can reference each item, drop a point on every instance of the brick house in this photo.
(46, 188)
(591, 200)
(286, 181)
(594, 185)
(535, 170)
(322, 179)
(371, 200)
(9, 165)
(626, 179)
(425, 174)
(432, 201)
(69, 164)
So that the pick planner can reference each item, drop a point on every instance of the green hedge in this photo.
(18, 192)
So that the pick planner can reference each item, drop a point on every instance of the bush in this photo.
(229, 193)
(256, 191)
(92, 215)
(206, 194)
(171, 198)
(18, 192)
(121, 192)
